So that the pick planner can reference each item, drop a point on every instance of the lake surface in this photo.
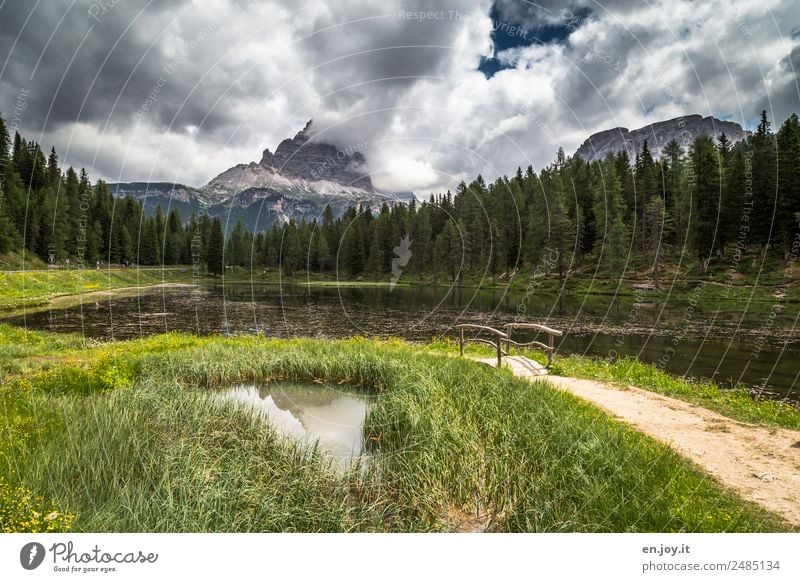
(756, 344)
(310, 413)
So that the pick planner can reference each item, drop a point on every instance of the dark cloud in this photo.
(367, 55)
(78, 67)
(182, 89)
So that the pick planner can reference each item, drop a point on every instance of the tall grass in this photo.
(158, 457)
(735, 403)
(134, 439)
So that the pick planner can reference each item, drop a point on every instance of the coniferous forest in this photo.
(698, 205)
(325, 268)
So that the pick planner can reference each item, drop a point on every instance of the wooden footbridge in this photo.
(496, 338)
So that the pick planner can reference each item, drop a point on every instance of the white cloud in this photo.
(408, 88)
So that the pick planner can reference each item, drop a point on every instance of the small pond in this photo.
(328, 414)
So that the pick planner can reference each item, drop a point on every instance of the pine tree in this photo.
(613, 234)
(234, 249)
(660, 227)
(320, 255)
(733, 189)
(618, 247)
(788, 140)
(562, 234)
(354, 244)
(216, 245)
(53, 171)
(763, 179)
(448, 252)
(375, 260)
(7, 231)
(706, 192)
(421, 234)
(173, 242)
(291, 257)
(9, 237)
(646, 188)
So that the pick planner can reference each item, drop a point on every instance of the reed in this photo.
(131, 436)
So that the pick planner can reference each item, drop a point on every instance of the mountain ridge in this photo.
(304, 175)
(684, 129)
(296, 182)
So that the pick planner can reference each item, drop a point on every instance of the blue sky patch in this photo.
(508, 34)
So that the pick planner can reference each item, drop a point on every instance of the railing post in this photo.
(499, 351)
(461, 343)
(551, 351)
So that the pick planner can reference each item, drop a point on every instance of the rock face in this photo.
(659, 134)
(297, 182)
(306, 160)
(298, 164)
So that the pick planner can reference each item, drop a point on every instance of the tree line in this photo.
(703, 204)
(62, 218)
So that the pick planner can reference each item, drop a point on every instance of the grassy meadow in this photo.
(131, 436)
(36, 288)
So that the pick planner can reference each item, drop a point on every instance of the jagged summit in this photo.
(297, 141)
(300, 158)
(296, 182)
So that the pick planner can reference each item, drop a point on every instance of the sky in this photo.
(432, 93)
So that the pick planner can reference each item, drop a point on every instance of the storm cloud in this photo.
(181, 90)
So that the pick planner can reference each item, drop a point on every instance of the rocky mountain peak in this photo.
(682, 129)
(301, 158)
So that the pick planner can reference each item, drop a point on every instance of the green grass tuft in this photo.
(131, 436)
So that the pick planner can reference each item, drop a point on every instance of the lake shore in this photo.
(446, 429)
(36, 287)
(21, 290)
(734, 401)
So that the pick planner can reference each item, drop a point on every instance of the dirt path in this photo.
(762, 464)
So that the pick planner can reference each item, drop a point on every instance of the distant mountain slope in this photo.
(298, 181)
(259, 208)
(184, 199)
(681, 129)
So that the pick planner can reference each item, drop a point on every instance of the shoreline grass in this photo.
(128, 436)
(735, 403)
(37, 288)
(678, 279)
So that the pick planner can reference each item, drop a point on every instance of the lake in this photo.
(756, 344)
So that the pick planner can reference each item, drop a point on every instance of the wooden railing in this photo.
(549, 347)
(496, 342)
(498, 337)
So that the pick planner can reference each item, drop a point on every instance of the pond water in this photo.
(756, 343)
(310, 413)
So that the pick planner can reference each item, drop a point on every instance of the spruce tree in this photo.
(216, 243)
(763, 179)
(788, 140)
(705, 193)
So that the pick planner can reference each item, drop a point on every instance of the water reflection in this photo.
(720, 340)
(311, 412)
